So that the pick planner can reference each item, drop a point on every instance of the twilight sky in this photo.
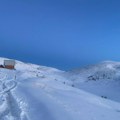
(60, 33)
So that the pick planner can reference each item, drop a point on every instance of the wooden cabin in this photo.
(9, 64)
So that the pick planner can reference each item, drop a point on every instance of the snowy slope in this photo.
(33, 92)
(102, 79)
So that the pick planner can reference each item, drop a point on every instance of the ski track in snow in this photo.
(9, 109)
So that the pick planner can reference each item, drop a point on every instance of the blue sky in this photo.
(60, 33)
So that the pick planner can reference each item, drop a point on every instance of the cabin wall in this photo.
(9, 67)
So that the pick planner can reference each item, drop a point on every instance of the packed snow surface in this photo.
(33, 92)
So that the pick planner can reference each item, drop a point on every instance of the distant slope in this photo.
(102, 79)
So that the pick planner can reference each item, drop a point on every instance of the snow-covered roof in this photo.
(9, 62)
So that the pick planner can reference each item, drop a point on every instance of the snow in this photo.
(102, 79)
(33, 92)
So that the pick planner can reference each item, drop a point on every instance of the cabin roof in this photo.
(9, 62)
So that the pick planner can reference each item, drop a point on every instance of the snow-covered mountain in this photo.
(102, 79)
(33, 92)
